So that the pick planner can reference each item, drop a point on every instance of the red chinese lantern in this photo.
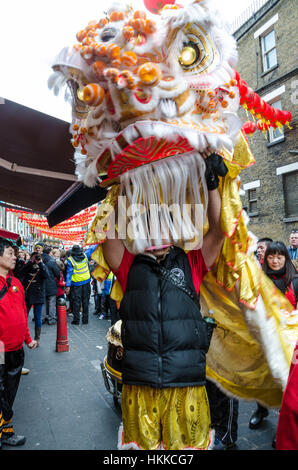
(249, 128)
(242, 88)
(287, 117)
(260, 109)
(250, 94)
(268, 112)
(255, 104)
(154, 6)
(262, 126)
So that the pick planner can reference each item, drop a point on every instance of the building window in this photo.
(252, 201)
(276, 135)
(290, 185)
(269, 50)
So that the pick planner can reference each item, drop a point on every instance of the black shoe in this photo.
(85, 322)
(220, 445)
(75, 322)
(13, 440)
(257, 417)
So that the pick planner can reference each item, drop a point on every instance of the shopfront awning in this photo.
(36, 164)
(36, 157)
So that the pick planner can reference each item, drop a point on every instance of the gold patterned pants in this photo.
(168, 418)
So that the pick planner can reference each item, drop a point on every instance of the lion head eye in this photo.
(108, 34)
(198, 53)
(189, 55)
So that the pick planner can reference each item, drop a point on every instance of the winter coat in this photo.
(163, 334)
(35, 294)
(20, 263)
(54, 274)
(60, 286)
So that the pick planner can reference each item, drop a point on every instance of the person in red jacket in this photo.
(287, 428)
(61, 283)
(14, 332)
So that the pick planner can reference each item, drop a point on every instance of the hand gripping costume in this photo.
(150, 95)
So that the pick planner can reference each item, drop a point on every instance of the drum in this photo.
(114, 356)
(111, 366)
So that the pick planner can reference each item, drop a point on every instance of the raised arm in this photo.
(214, 238)
(113, 250)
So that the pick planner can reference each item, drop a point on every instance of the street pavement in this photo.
(62, 404)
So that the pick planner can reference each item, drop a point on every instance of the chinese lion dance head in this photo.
(151, 96)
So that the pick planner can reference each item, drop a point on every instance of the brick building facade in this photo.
(267, 46)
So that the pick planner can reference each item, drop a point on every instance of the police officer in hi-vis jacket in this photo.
(78, 283)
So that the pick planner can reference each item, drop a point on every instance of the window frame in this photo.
(252, 200)
(272, 139)
(284, 176)
(265, 53)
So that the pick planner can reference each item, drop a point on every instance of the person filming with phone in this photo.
(34, 275)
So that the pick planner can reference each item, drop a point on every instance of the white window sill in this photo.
(290, 219)
(269, 70)
(277, 141)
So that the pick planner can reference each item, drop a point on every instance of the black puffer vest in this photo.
(163, 334)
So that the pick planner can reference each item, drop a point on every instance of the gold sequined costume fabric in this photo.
(251, 350)
(168, 418)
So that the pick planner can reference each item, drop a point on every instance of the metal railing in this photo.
(248, 13)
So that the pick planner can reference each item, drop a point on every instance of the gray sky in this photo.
(32, 32)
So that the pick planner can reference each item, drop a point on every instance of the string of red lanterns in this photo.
(267, 116)
(60, 231)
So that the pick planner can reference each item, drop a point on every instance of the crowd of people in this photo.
(42, 274)
(50, 273)
(38, 279)
(280, 264)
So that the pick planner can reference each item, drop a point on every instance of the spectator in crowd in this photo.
(98, 287)
(78, 283)
(20, 262)
(94, 287)
(293, 248)
(261, 248)
(280, 269)
(50, 309)
(108, 306)
(287, 427)
(67, 293)
(34, 275)
(22, 255)
(63, 258)
(105, 296)
(38, 248)
(14, 332)
(61, 281)
(56, 254)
